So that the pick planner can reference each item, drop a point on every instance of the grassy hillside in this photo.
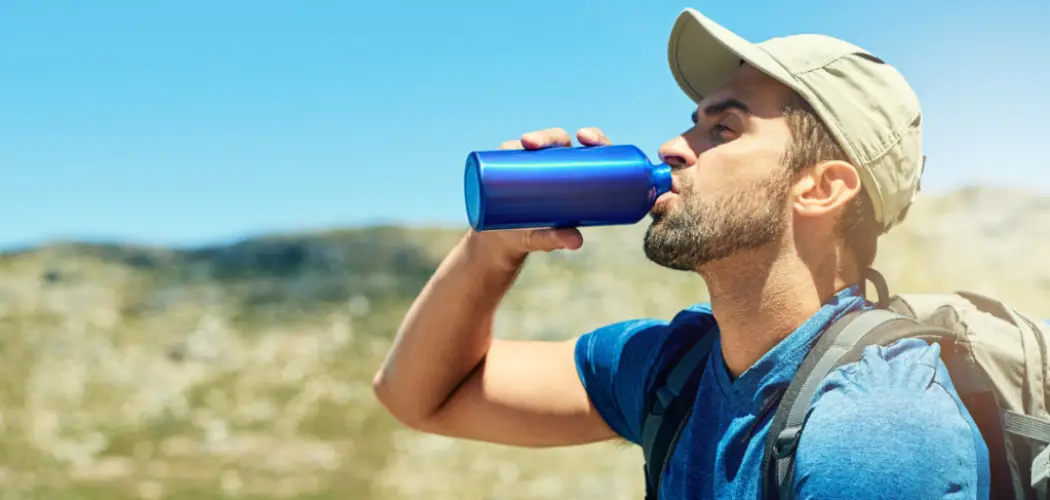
(244, 371)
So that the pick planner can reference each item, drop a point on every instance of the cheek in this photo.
(735, 168)
(721, 177)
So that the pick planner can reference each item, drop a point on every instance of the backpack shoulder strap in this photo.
(842, 343)
(669, 408)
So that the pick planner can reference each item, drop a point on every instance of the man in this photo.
(803, 151)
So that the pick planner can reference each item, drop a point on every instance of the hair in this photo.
(812, 144)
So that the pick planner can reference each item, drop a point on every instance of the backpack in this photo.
(996, 356)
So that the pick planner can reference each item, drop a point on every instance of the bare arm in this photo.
(446, 374)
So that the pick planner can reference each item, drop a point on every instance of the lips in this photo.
(674, 186)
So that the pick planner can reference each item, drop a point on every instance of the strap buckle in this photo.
(787, 441)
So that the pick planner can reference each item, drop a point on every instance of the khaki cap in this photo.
(867, 104)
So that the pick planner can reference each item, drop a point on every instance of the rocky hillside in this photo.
(244, 370)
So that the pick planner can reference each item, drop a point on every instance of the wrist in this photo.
(489, 250)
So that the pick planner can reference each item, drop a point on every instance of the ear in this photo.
(825, 188)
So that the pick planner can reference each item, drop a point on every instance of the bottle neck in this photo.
(660, 178)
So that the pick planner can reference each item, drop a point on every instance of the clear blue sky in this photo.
(190, 122)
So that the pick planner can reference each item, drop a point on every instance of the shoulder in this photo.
(641, 343)
(647, 334)
(618, 363)
(873, 424)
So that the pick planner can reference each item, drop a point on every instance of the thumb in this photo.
(546, 240)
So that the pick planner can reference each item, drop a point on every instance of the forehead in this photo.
(764, 95)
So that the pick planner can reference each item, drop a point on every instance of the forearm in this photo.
(447, 331)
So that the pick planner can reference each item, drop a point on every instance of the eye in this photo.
(720, 131)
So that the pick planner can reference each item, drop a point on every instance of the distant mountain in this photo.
(135, 372)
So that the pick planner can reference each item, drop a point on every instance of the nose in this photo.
(677, 154)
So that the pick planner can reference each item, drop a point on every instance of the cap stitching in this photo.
(821, 66)
(678, 65)
(891, 219)
(897, 137)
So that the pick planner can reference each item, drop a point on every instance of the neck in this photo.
(761, 296)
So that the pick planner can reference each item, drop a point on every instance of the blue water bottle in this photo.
(561, 187)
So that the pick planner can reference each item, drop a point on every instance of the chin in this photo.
(657, 223)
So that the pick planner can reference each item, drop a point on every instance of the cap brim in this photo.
(704, 55)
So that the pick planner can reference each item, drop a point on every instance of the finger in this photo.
(552, 137)
(570, 238)
(592, 136)
(546, 240)
(511, 145)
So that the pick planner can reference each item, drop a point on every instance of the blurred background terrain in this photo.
(243, 370)
(151, 349)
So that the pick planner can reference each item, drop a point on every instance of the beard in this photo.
(706, 229)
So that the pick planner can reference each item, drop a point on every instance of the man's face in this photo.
(729, 173)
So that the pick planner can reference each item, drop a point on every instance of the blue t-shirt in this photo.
(888, 426)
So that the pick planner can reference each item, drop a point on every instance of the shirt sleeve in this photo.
(891, 426)
(614, 363)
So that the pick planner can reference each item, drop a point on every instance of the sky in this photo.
(192, 122)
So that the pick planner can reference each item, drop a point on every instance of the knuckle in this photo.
(594, 134)
(534, 136)
(528, 240)
(558, 133)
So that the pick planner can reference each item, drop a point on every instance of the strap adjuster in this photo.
(787, 441)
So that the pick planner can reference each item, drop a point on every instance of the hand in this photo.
(516, 244)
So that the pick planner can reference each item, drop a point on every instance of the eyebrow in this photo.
(723, 106)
